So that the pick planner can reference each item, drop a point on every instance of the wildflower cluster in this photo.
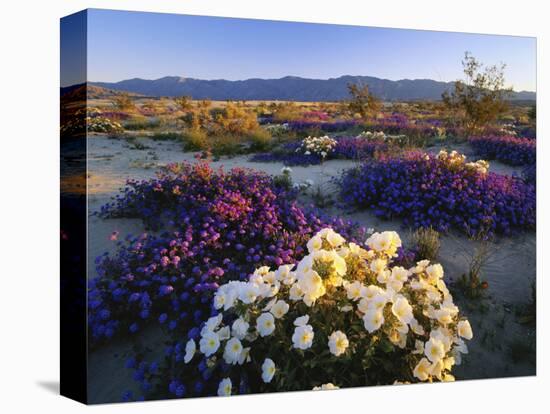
(327, 127)
(320, 146)
(343, 316)
(223, 225)
(441, 192)
(455, 161)
(353, 148)
(507, 149)
(103, 125)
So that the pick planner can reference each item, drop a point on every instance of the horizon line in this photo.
(282, 77)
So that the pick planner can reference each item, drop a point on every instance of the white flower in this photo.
(334, 238)
(211, 324)
(303, 337)
(190, 348)
(327, 386)
(224, 389)
(268, 370)
(386, 242)
(338, 343)
(422, 370)
(245, 356)
(465, 330)
(314, 244)
(285, 275)
(279, 309)
(378, 265)
(402, 310)
(355, 290)
(209, 343)
(434, 349)
(239, 328)
(434, 272)
(373, 320)
(232, 351)
(286, 170)
(301, 321)
(249, 292)
(224, 333)
(265, 324)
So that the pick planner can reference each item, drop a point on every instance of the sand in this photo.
(494, 321)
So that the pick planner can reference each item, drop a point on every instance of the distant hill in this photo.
(289, 88)
(79, 91)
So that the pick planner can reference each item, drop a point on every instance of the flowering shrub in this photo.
(343, 316)
(336, 126)
(224, 224)
(346, 148)
(441, 192)
(377, 135)
(530, 174)
(319, 146)
(358, 148)
(277, 130)
(102, 124)
(507, 149)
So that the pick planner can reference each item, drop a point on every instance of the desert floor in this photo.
(502, 346)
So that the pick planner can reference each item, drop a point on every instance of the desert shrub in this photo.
(195, 139)
(167, 136)
(260, 139)
(123, 102)
(229, 145)
(284, 180)
(362, 102)
(286, 111)
(233, 119)
(479, 99)
(138, 122)
(442, 192)
(183, 103)
(223, 224)
(343, 316)
(507, 149)
(426, 242)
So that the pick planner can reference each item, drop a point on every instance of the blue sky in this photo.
(124, 45)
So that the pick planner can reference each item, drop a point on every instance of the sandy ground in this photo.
(496, 326)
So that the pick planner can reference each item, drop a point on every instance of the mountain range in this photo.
(289, 88)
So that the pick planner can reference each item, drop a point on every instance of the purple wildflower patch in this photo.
(426, 191)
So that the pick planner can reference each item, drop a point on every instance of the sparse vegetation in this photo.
(480, 98)
(427, 242)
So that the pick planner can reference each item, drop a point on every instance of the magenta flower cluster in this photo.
(223, 225)
(507, 149)
(426, 191)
